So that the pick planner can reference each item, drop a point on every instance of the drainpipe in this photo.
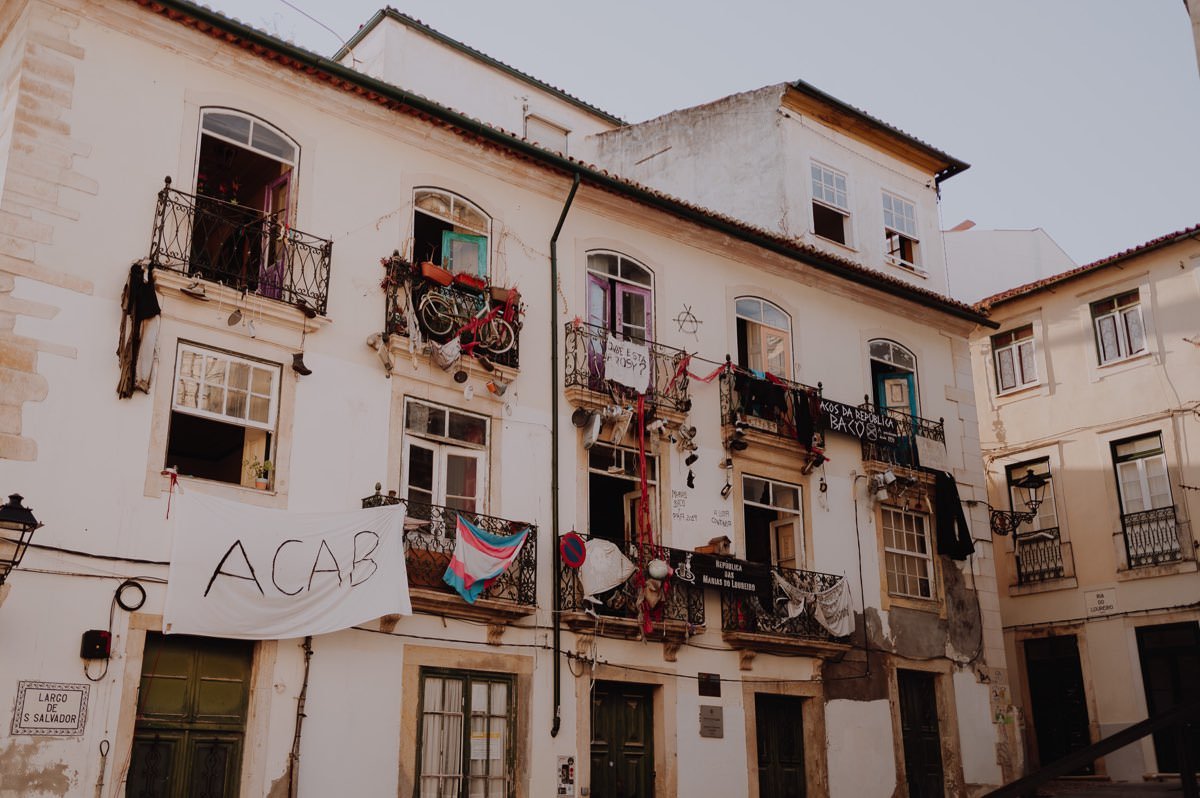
(556, 557)
(294, 756)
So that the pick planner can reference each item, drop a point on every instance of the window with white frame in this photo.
(465, 735)
(764, 337)
(1142, 477)
(831, 205)
(615, 494)
(223, 415)
(1047, 514)
(900, 231)
(445, 457)
(908, 553)
(450, 231)
(1013, 353)
(1118, 325)
(772, 522)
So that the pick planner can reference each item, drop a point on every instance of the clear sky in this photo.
(1078, 116)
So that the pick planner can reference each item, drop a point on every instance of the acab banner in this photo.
(260, 574)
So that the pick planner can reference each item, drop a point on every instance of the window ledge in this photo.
(1020, 391)
(210, 487)
(222, 299)
(1125, 360)
(402, 357)
(908, 268)
(1044, 586)
(786, 644)
(822, 239)
(1151, 571)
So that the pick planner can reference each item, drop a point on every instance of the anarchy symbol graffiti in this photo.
(687, 321)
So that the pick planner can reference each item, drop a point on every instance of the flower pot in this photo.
(262, 482)
(470, 281)
(503, 295)
(436, 274)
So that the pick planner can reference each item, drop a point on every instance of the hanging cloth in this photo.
(831, 609)
(953, 534)
(139, 331)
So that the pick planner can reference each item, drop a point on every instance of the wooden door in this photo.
(921, 734)
(1170, 655)
(622, 741)
(1060, 715)
(779, 735)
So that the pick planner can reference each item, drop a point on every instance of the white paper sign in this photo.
(50, 709)
(628, 364)
(259, 574)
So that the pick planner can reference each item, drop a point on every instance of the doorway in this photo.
(1059, 703)
(1170, 655)
(921, 734)
(622, 740)
(779, 737)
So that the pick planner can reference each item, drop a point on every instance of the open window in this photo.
(894, 376)
(450, 231)
(244, 201)
(223, 414)
(772, 522)
(764, 337)
(445, 457)
(831, 205)
(900, 232)
(614, 493)
(620, 296)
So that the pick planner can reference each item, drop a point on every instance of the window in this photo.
(450, 231)
(907, 553)
(223, 414)
(620, 296)
(1119, 330)
(615, 493)
(445, 457)
(1047, 515)
(465, 737)
(1013, 355)
(900, 230)
(894, 374)
(546, 134)
(772, 522)
(1142, 474)
(764, 337)
(831, 208)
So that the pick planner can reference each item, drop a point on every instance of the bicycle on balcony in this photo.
(445, 311)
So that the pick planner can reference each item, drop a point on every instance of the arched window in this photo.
(244, 161)
(894, 376)
(620, 295)
(764, 337)
(450, 231)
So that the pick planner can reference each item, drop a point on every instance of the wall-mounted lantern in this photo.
(1032, 489)
(17, 526)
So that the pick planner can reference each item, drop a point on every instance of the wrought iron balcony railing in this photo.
(1151, 536)
(682, 602)
(773, 405)
(786, 612)
(585, 352)
(908, 428)
(1039, 555)
(240, 247)
(429, 537)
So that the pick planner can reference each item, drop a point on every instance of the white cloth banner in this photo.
(627, 364)
(258, 574)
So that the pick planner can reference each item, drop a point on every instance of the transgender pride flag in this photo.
(479, 558)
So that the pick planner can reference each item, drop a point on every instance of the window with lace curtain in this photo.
(465, 738)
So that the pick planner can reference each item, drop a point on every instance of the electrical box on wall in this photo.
(96, 644)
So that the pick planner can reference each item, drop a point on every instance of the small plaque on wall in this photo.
(709, 684)
(50, 709)
(712, 721)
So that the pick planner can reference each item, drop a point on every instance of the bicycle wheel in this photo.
(437, 314)
(497, 336)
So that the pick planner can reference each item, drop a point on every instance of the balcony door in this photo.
(620, 302)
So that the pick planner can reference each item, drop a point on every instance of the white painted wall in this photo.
(861, 759)
(985, 262)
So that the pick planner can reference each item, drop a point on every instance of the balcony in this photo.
(1151, 537)
(781, 619)
(406, 288)
(1039, 556)
(904, 451)
(588, 387)
(772, 410)
(618, 615)
(240, 247)
(429, 535)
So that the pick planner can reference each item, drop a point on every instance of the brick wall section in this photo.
(40, 181)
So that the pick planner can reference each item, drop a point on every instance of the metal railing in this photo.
(1151, 536)
(908, 428)
(782, 614)
(240, 247)
(429, 537)
(681, 602)
(1039, 555)
(768, 405)
(585, 350)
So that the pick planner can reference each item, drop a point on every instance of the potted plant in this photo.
(260, 470)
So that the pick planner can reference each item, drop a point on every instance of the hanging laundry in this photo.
(793, 599)
(953, 534)
(138, 336)
(604, 567)
(831, 609)
(480, 558)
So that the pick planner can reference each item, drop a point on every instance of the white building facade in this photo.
(681, 388)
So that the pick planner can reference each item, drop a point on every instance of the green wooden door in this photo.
(922, 736)
(779, 728)
(622, 741)
(191, 719)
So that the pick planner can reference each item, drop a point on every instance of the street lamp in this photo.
(1033, 488)
(17, 526)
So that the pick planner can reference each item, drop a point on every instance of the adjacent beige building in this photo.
(1093, 381)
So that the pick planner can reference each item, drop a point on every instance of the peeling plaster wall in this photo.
(25, 771)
